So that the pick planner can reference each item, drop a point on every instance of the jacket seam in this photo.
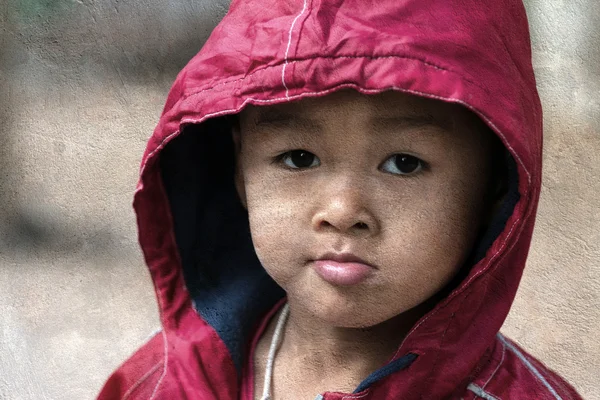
(353, 396)
(497, 367)
(435, 363)
(289, 61)
(287, 50)
(479, 392)
(141, 380)
(165, 362)
(530, 367)
(381, 57)
(559, 384)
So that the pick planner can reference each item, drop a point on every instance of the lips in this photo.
(343, 269)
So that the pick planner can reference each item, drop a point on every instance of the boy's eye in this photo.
(402, 164)
(300, 159)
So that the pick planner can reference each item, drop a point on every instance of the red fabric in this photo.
(472, 52)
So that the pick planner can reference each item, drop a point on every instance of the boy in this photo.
(337, 204)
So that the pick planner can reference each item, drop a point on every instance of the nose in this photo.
(345, 212)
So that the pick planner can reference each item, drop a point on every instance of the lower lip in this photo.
(342, 273)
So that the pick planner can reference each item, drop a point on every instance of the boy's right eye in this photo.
(299, 159)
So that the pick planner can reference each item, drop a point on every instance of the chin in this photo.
(343, 311)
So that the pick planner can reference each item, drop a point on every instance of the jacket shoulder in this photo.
(140, 375)
(513, 373)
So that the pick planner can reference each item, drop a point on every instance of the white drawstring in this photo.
(275, 342)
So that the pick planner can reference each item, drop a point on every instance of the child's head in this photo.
(399, 181)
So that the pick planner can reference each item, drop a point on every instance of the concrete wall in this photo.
(82, 84)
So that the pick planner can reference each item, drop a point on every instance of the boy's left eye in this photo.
(402, 164)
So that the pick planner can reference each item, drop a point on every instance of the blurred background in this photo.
(82, 84)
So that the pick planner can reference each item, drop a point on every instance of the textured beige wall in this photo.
(557, 311)
(81, 87)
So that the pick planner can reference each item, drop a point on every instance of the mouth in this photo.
(343, 269)
(344, 258)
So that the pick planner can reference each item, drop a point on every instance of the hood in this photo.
(194, 233)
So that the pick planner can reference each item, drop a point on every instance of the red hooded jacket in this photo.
(213, 293)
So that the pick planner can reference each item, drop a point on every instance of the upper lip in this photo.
(344, 258)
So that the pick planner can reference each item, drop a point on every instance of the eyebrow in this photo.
(279, 118)
(282, 119)
(412, 121)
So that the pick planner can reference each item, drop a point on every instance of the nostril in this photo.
(324, 224)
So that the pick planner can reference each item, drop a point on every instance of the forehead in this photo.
(349, 105)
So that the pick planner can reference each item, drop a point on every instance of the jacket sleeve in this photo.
(139, 376)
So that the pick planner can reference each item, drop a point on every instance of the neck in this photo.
(324, 349)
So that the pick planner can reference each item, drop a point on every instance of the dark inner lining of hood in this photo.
(229, 288)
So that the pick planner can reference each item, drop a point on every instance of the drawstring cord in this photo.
(275, 342)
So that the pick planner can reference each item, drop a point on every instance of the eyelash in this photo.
(279, 159)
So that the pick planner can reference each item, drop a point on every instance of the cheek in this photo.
(276, 227)
(458, 215)
(436, 232)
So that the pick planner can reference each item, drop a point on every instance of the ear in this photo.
(238, 177)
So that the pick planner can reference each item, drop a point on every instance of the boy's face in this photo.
(395, 180)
